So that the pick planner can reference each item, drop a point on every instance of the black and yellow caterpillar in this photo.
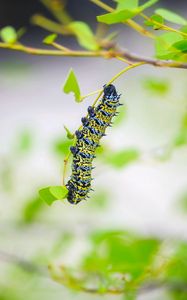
(87, 140)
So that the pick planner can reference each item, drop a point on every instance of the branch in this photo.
(115, 53)
(79, 283)
(22, 263)
(151, 61)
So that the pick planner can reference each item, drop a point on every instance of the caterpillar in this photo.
(87, 140)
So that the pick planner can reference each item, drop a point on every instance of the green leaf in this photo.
(181, 45)
(171, 16)
(84, 35)
(117, 16)
(163, 45)
(8, 35)
(48, 40)
(71, 85)
(21, 31)
(156, 85)
(181, 138)
(69, 135)
(122, 158)
(153, 22)
(24, 142)
(32, 209)
(62, 145)
(127, 4)
(130, 295)
(183, 29)
(46, 195)
(120, 252)
(124, 14)
(177, 268)
(59, 192)
(53, 193)
(148, 4)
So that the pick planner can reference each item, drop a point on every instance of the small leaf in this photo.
(24, 142)
(163, 45)
(171, 16)
(183, 29)
(48, 40)
(47, 196)
(153, 22)
(84, 35)
(127, 4)
(8, 35)
(71, 85)
(148, 4)
(53, 193)
(156, 85)
(61, 146)
(122, 15)
(181, 45)
(21, 32)
(59, 192)
(122, 158)
(69, 135)
(117, 16)
(32, 209)
(181, 138)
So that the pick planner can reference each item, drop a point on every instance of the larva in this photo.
(87, 140)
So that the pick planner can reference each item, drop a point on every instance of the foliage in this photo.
(71, 85)
(53, 193)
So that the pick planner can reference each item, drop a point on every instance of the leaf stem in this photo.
(60, 47)
(57, 8)
(124, 60)
(125, 70)
(163, 26)
(90, 94)
(66, 159)
(49, 25)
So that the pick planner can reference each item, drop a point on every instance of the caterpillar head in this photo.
(109, 90)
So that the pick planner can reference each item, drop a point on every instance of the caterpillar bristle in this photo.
(73, 150)
(91, 111)
(85, 121)
(78, 134)
(88, 138)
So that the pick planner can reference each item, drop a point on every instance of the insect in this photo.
(87, 140)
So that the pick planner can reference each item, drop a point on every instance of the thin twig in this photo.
(163, 26)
